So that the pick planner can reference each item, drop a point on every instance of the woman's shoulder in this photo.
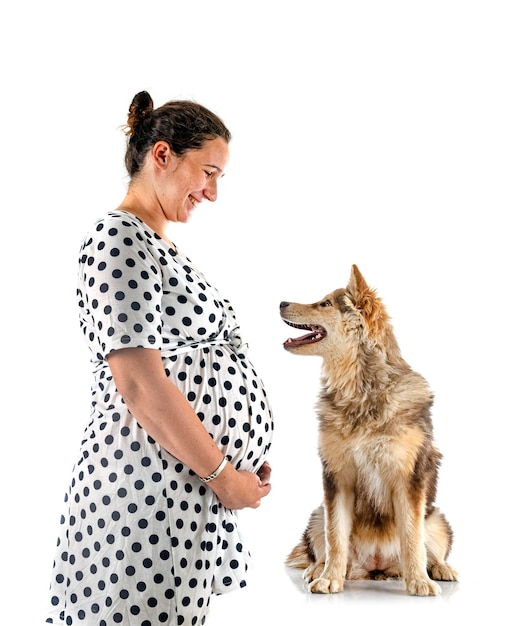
(117, 219)
(116, 224)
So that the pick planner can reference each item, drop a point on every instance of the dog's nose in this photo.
(283, 304)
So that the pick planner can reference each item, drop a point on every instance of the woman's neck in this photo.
(140, 205)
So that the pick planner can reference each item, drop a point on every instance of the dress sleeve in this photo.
(119, 289)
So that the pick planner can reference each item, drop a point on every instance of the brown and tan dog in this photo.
(379, 460)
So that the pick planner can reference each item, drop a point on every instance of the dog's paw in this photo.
(423, 587)
(326, 585)
(443, 571)
(313, 571)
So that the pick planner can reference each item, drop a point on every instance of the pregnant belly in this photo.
(230, 400)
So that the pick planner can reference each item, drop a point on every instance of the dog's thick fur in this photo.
(379, 460)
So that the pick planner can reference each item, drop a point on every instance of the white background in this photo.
(384, 134)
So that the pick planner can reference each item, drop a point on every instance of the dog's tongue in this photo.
(301, 341)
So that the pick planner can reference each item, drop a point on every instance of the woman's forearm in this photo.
(162, 410)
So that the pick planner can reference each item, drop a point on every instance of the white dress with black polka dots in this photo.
(143, 542)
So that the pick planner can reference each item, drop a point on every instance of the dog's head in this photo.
(338, 322)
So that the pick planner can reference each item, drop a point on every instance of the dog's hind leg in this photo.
(310, 551)
(438, 542)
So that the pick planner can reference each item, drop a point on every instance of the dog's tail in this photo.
(299, 557)
(311, 548)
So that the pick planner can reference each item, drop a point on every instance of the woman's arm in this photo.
(166, 415)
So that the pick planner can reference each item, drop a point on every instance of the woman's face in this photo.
(191, 178)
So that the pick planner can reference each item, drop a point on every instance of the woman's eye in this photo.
(209, 174)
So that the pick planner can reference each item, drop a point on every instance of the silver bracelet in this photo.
(216, 472)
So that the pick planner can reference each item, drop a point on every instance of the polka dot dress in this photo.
(143, 542)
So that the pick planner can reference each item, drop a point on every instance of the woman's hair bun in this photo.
(140, 108)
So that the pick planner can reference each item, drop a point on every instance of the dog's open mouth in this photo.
(317, 333)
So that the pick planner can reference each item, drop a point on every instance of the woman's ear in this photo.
(161, 154)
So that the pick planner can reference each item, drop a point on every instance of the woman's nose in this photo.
(210, 192)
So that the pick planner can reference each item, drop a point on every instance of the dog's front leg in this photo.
(338, 515)
(410, 515)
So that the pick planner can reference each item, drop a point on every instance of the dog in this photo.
(379, 460)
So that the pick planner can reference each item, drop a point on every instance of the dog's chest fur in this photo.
(374, 445)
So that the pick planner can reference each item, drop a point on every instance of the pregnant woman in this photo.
(180, 423)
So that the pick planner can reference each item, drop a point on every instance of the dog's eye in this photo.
(326, 303)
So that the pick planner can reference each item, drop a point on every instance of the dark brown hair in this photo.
(183, 124)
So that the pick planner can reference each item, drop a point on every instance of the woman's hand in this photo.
(240, 489)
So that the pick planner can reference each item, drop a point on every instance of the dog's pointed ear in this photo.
(357, 286)
(362, 295)
(369, 304)
(357, 282)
